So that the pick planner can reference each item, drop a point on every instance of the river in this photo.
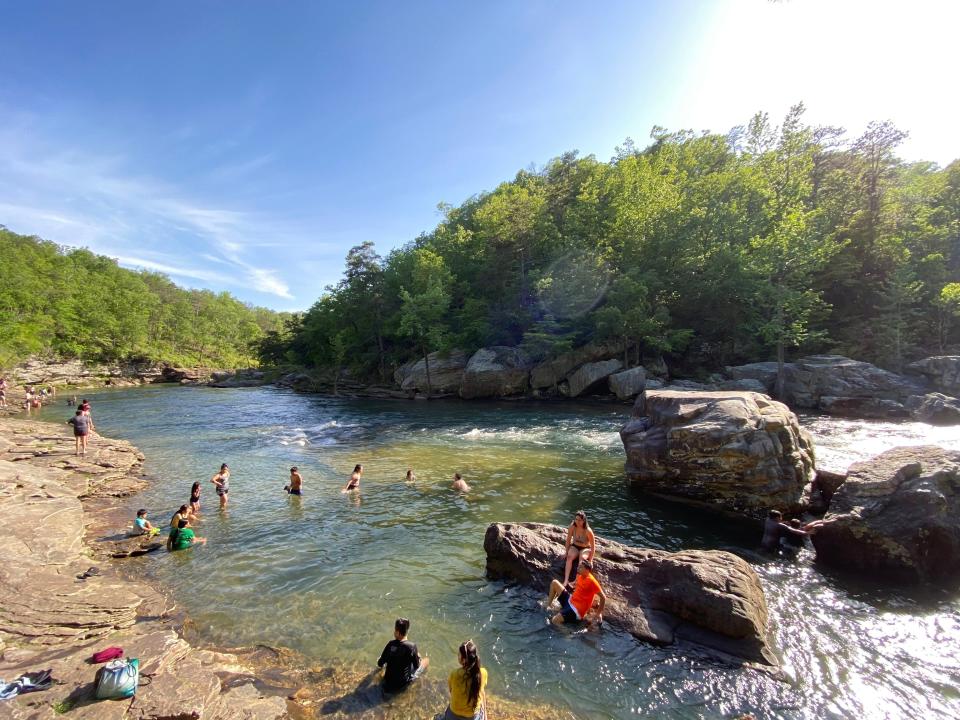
(327, 573)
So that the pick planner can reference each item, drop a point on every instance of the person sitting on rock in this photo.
(574, 607)
(774, 529)
(142, 526)
(403, 661)
(580, 543)
(459, 484)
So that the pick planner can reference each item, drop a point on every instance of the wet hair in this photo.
(409, 472)
(294, 469)
(456, 476)
(194, 487)
(183, 508)
(402, 625)
(224, 467)
(775, 514)
(141, 512)
(470, 660)
(182, 524)
(586, 565)
(358, 468)
(582, 514)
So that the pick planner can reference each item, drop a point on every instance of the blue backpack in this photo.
(118, 679)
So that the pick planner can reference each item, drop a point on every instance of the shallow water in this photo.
(327, 573)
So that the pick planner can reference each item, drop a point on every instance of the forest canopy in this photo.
(74, 303)
(704, 249)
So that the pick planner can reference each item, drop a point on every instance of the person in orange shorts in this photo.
(575, 606)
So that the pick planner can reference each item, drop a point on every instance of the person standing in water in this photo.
(296, 482)
(354, 482)
(410, 476)
(222, 483)
(581, 543)
(195, 498)
(459, 484)
(403, 661)
(466, 685)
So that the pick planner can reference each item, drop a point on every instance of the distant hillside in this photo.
(73, 303)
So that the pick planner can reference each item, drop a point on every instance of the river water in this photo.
(327, 573)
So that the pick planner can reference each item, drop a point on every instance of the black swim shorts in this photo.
(566, 609)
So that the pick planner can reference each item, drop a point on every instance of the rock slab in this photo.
(629, 383)
(712, 599)
(734, 451)
(590, 375)
(497, 371)
(897, 517)
(446, 373)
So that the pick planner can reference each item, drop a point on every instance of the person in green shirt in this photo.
(183, 537)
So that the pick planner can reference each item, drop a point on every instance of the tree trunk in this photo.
(426, 363)
(626, 353)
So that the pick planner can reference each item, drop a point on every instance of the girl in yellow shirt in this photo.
(466, 686)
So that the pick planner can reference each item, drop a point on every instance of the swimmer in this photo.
(182, 537)
(354, 482)
(222, 482)
(581, 543)
(459, 484)
(410, 476)
(296, 482)
(195, 498)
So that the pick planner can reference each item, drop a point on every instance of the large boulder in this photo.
(710, 598)
(734, 451)
(549, 374)
(942, 372)
(629, 383)
(496, 371)
(935, 409)
(897, 517)
(247, 377)
(588, 376)
(446, 373)
(836, 385)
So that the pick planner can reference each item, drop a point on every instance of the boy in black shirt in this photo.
(404, 664)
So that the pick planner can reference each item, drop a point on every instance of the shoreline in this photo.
(64, 512)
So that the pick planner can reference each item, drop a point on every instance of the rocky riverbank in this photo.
(68, 587)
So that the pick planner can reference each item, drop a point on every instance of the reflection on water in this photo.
(327, 573)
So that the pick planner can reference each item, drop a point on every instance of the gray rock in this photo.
(629, 383)
(589, 375)
(658, 368)
(744, 384)
(496, 371)
(710, 598)
(733, 451)
(764, 373)
(653, 384)
(935, 408)
(248, 377)
(446, 373)
(942, 372)
(551, 373)
(897, 517)
(862, 407)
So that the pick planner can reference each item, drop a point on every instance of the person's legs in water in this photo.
(223, 498)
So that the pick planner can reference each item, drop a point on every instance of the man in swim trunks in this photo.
(296, 482)
(575, 606)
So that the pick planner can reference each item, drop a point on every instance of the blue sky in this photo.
(246, 146)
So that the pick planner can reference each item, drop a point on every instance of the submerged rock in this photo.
(496, 371)
(734, 451)
(897, 517)
(709, 598)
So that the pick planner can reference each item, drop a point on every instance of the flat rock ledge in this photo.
(61, 514)
(711, 599)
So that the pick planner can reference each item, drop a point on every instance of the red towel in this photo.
(110, 653)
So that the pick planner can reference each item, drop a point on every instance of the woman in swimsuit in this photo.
(354, 482)
(222, 482)
(580, 543)
(195, 498)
